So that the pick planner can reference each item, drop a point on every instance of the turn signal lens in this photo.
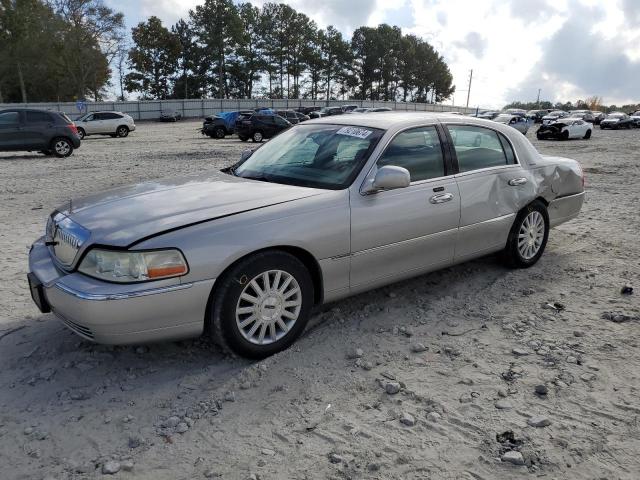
(129, 267)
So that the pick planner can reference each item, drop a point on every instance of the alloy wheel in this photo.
(268, 307)
(531, 235)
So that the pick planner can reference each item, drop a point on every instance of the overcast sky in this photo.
(570, 49)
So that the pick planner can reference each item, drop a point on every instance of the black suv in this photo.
(292, 116)
(258, 127)
(29, 130)
(327, 112)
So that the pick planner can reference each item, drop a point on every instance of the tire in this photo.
(122, 131)
(257, 137)
(61, 147)
(81, 133)
(226, 317)
(601, 127)
(219, 133)
(539, 137)
(523, 255)
(564, 135)
(587, 135)
(243, 138)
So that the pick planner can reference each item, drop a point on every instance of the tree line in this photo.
(70, 49)
(57, 50)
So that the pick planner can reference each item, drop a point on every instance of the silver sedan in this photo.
(327, 209)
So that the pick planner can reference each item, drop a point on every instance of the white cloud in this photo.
(513, 46)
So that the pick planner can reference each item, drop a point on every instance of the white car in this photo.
(116, 124)
(565, 128)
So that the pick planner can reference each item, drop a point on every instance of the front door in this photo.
(403, 232)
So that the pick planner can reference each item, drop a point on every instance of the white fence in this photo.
(150, 109)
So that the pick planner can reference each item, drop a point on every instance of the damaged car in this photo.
(616, 121)
(327, 209)
(564, 129)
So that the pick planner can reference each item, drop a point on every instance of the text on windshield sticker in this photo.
(354, 132)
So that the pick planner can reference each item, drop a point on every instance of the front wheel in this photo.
(528, 236)
(122, 131)
(61, 147)
(565, 135)
(587, 135)
(220, 133)
(262, 304)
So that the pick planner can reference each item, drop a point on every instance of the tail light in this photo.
(73, 128)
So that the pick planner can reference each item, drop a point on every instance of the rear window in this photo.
(478, 147)
(38, 117)
(113, 116)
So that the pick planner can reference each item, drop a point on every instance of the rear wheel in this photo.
(81, 133)
(122, 131)
(587, 135)
(219, 133)
(262, 304)
(257, 137)
(528, 236)
(61, 147)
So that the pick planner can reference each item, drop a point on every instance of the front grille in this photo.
(67, 237)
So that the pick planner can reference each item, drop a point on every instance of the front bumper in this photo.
(546, 133)
(120, 313)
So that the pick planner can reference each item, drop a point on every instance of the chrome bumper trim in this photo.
(121, 296)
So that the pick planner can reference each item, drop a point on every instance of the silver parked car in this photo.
(326, 209)
(518, 122)
(115, 124)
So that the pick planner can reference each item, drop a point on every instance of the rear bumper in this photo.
(564, 209)
(120, 314)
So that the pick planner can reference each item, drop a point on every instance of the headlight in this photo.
(127, 267)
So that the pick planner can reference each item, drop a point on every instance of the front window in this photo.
(318, 156)
(419, 151)
(9, 118)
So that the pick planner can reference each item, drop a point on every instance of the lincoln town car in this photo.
(327, 209)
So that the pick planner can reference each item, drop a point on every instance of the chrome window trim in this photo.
(486, 169)
(384, 147)
(120, 296)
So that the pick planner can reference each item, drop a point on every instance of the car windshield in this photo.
(503, 118)
(318, 156)
(616, 115)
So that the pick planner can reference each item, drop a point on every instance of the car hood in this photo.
(123, 216)
(611, 120)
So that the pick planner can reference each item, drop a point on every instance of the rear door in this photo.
(10, 130)
(37, 128)
(493, 188)
(111, 121)
(403, 232)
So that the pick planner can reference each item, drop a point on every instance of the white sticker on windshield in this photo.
(355, 132)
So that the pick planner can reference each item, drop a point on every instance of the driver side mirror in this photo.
(388, 178)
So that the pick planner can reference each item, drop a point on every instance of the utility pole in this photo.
(538, 100)
(469, 90)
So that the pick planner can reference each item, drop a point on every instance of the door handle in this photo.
(514, 182)
(441, 198)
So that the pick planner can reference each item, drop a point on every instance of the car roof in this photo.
(398, 120)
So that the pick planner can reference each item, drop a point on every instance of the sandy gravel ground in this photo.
(465, 349)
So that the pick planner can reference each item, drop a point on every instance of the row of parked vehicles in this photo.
(560, 124)
(263, 123)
